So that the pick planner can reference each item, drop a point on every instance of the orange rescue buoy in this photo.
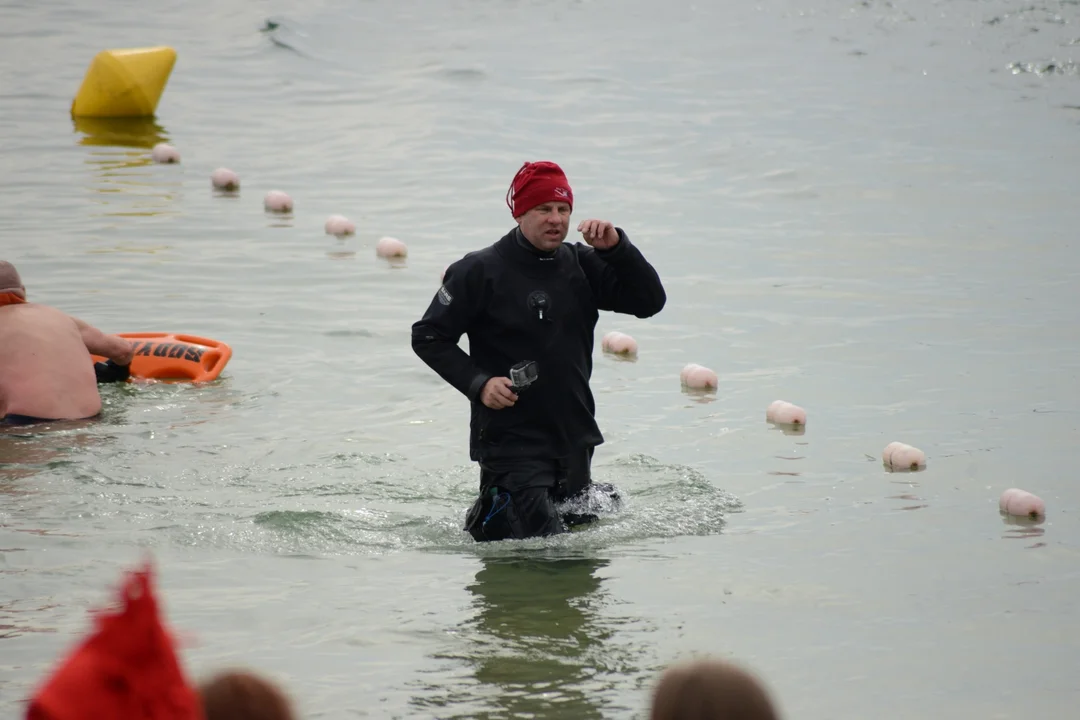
(169, 356)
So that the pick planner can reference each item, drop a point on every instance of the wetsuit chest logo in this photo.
(540, 304)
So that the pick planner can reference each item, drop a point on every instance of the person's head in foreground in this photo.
(710, 689)
(244, 695)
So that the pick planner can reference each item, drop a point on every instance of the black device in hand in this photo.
(523, 375)
(109, 371)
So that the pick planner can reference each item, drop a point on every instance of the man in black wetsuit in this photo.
(529, 305)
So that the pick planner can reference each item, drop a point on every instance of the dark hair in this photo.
(243, 695)
(710, 690)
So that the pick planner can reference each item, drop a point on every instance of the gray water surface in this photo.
(866, 208)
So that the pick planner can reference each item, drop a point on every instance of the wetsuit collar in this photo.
(523, 241)
(517, 250)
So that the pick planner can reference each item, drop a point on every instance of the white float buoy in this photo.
(164, 153)
(698, 377)
(390, 247)
(781, 412)
(278, 201)
(339, 225)
(225, 179)
(619, 343)
(901, 456)
(1021, 503)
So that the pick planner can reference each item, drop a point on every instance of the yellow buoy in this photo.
(124, 83)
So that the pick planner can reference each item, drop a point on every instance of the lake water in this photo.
(869, 209)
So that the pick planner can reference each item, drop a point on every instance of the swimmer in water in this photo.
(46, 372)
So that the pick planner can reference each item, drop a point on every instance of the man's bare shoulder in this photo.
(33, 311)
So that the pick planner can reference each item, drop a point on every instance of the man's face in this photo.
(546, 225)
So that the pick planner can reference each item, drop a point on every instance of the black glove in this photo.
(109, 371)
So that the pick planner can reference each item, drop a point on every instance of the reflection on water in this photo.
(1024, 528)
(791, 430)
(16, 617)
(700, 396)
(536, 643)
(27, 450)
(138, 132)
(118, 152)
(279, 220)
(24, 454)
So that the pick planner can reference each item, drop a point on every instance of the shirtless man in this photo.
(46, 372)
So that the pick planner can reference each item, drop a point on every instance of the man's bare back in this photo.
(45, 366)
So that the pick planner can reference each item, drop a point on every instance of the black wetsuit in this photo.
(516, 303)
(22, 420)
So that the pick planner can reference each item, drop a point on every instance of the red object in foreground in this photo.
(126, 670)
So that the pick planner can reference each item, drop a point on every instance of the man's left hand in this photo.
(601, 234)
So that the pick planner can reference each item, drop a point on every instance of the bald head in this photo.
(10, 282)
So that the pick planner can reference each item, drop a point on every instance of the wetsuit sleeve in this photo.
(622, 279)
(435, 336)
